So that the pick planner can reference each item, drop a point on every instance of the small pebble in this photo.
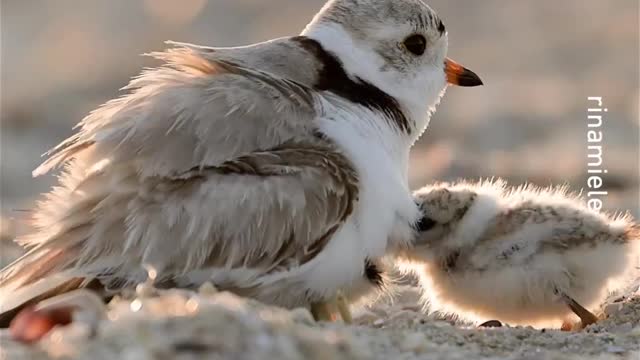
(441, 324)
(635, 332)
(403, 315)
(491, 324)
(567, 326)
(31, 325)
(612, 309)
(415, 342)
(623, 328)
(615, 349)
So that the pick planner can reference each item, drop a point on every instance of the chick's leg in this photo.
(586, 317)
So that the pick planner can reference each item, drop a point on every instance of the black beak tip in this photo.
(469, 79)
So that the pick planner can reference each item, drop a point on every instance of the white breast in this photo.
(385, 206)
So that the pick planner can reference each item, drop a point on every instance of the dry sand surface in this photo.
(187, 325)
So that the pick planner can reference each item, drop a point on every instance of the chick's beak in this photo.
(459, 75)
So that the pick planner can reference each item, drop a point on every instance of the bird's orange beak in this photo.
(459, 75)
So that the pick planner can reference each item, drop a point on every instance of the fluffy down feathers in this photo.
(205, 163)
(494, 252)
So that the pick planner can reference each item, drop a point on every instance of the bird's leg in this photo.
(321, 311)
(343, 308)
(586, 317)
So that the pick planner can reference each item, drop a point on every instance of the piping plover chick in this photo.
(525, 256)
(261, 169)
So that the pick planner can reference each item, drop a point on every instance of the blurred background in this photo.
(540, 60)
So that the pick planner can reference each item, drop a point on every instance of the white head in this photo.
(399, 46)
(443, 207)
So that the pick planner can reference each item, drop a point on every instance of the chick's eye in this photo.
(425, 224)
(416, 44)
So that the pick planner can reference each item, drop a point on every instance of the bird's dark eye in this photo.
(416, 44)
(425, 224)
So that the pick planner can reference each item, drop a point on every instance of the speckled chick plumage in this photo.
(487, 251)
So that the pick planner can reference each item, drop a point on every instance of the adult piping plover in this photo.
(522, 255)
(272, 170)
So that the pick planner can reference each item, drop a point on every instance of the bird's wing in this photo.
(202, 107)
(265, 211)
